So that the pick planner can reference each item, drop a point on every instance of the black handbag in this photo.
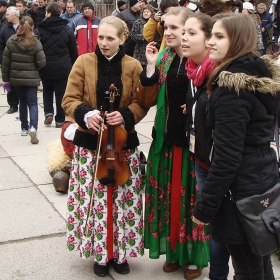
(260, 215)
(260, 219)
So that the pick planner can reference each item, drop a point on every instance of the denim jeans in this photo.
(27, 98)
(219, 255)
(12, 97)
(248, 266)
(58, 88)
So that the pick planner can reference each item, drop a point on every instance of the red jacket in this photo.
(85, 30)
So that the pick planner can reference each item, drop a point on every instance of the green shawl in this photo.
(164, 61)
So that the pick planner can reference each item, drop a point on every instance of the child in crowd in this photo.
(22, 58)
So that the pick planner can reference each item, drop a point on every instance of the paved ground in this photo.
(32, 214)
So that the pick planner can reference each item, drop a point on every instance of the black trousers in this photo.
(51, 88)
(12, 97)
(248, 266)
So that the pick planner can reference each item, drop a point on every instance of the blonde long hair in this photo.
(120, 25)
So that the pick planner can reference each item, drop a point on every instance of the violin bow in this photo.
(100, 133)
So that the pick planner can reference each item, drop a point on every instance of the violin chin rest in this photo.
(108, 181)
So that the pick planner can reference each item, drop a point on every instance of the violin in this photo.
(113, 168)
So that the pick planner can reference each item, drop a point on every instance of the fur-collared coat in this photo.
(242, 111)
(86, 89)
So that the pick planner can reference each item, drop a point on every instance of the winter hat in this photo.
(249, 6)
(121, 3)
(133, 2)
(154, 5)
(3, 3)
(86, 5)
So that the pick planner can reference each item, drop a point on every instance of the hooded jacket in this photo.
(20, 65)
(60, 48)
(242, 112)
(85, 30)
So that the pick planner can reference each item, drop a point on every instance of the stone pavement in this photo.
(32, 214)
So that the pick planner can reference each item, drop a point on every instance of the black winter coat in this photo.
(203, 130)
(41, 14)
(60, 48)
(3, 20)
(242, 109)
(129, 17)
(33, 15)
(6, 32)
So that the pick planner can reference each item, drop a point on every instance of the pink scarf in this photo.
(198, 73)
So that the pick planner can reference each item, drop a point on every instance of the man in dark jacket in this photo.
(21, 5)
(59, 45)
(33, 13)
(129, 16)
(3, 7)
(41, 10)
(266, 23)
(12, 15)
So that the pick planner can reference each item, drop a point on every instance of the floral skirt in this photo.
(127, 210)
(190, 241)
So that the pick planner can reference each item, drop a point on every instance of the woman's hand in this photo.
(94, 121)
(184, 107)
(152, 56)
(195, 220)
(114, 118)
(158, 15)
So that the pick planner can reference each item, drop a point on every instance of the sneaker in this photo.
(24, 132)
(48, 120)
(33, 135)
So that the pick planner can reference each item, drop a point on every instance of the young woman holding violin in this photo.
(104, 218)
(171, 190)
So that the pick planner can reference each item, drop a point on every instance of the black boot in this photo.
(101, 270)
(121, 268)
(12, 109)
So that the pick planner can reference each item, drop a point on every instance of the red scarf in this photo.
(198, 73)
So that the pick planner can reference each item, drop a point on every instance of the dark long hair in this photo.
(242, 33)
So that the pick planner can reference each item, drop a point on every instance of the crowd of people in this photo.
(216, 103)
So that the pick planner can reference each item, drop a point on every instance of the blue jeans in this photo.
(58, 88)
(219, 255)
(27, 98)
